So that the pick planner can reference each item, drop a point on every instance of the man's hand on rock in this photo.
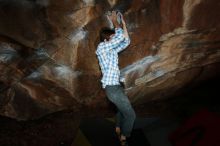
(113, 18)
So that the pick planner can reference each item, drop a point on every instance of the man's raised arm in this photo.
(119, 32)
(126, 40)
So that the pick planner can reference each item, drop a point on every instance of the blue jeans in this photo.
(125, 116)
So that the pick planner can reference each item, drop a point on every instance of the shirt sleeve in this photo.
(122, 45)
(113, 43)
(117, 38)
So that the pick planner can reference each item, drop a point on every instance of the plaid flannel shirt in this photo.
(107, 53)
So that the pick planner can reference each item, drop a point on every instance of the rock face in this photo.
(48, 61)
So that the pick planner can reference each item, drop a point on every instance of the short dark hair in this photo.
(105, 33)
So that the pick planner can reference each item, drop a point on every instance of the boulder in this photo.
(48, 61)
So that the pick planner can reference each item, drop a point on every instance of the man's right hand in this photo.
(123, 21)
(124, 27)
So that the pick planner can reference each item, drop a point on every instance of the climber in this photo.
(111, 43)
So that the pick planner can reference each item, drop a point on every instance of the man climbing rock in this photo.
(113, 42)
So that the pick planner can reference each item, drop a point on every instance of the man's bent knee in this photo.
(131, 115)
